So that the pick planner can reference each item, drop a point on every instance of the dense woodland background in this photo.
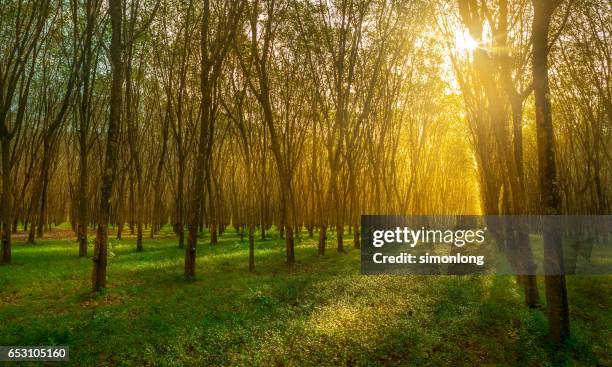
(290, 114)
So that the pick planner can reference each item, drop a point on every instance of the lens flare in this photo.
(464, 42)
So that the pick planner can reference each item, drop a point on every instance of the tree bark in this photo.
(486, 69)
(83, 183)
(180, 225)
(322, 239)
(556, 291)
(110, 165)
(42, 213)
(205, 124)
(6, 208)
(251, 247)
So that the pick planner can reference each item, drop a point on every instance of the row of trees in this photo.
(302, 114)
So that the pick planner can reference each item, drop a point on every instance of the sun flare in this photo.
(464, 42)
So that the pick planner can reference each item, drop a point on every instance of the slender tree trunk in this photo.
(6, 207)
(205, 125)
(42, 214)
(190, 251)
(213, 214)
(213, 233)
(354, 208)
(139, 236)
(517, 132)
(139, 214)
(32, 230)
(322, 239)
(251, 247)
(487, 69)
(83, 131)
(290, 244)
(287, 219)
(340, 237)
(180, 225)
(527, 279)
(82, 213)
(110, 165)
(181, 237)
(131, 205)
(556, 291)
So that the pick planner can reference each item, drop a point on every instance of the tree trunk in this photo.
(139, 236)
(181, 236)
(42, 214)
(180, 226)
(213, 233)
(82, 213)
(6, 208)
(527, 279)
(110, 165)
(287, 217)
(200, 161)
(32, 231)
(139, 214)
(290, 244)
(251, 248)
(322, 239)
(190, 251)
(340, 237)
(556, 291)
(214, 229)
(487, 68)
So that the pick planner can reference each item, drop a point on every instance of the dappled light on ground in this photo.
(279, 315)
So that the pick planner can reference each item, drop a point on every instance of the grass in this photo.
(319, 312)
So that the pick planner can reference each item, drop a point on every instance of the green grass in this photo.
(319, 312)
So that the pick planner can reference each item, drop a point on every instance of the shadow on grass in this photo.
(320, 311)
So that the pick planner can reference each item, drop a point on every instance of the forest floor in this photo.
(318, 312)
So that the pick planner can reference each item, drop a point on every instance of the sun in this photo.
(464, 42)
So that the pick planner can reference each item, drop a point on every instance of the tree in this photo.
(85, 110)
(485, 68)
(213, 50)
(18, 61)
(556, 290)
(100, 257)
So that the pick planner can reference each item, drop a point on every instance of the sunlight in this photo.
(464, 42)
